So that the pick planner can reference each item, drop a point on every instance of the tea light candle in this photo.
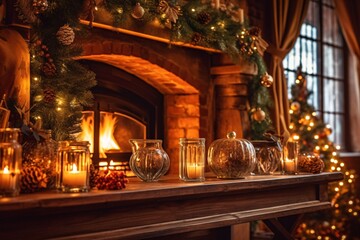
(7, 181)
(74, 177)
(195, 171)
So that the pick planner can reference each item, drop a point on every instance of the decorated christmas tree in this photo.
(313, 134)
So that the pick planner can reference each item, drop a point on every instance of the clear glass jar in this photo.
(268, 154)
(192, 159)
(10, 162)
(231, 157)
(148, 161)
(73, 166)
(44, 155)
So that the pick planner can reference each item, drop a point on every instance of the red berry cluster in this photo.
(111, 180)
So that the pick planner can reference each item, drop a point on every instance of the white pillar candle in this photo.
(289, 165)
(74, 177)
(7, 181)
(195, 171)
(217, 4)
(241, 15)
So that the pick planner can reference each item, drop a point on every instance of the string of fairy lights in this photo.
(206, 23)
(313, 136)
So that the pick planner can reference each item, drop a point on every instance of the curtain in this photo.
(348, 15)
(287, 20)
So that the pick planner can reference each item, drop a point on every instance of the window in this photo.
(320, 51)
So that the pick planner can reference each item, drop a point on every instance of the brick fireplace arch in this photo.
(205, 94)
(181, 100)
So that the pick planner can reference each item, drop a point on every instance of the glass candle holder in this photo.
(289, 161)
(10, 162)
(73, 167)
(192, 159)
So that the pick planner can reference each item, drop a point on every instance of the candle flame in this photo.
(6, 170)
(74, 168)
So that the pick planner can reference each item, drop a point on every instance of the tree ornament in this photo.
(49, 69)
(259, 115)
(49, 95)
(171, 12)
(39, 6)
(295, 106)
(203, 18)
(65, 35)
(138, 11)
(196, 38)
(267, 80)
(311, 163)
(33, 179)
(327, 130)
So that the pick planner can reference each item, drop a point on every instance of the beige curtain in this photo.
(287, 20)
(349, 18)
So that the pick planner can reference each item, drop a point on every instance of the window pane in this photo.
(312, 18)
(331, 30)
(333, 96)
(339, 63)
(336, 123)
(333, 62)
(312, 85)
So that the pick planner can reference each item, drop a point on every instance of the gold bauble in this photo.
(295, 106)
(267, 80)
(259, 115)
(138, 11)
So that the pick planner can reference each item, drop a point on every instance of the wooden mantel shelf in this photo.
(165, 208)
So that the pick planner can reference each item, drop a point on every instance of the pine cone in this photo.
(65, 35)
(203, 18)
(94, 175)
(32, 179)
(49, 95)
(310, 163)
(196, 38)
(49, 69)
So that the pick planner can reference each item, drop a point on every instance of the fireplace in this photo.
(162, 92)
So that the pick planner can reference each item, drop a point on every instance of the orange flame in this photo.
(107, 127)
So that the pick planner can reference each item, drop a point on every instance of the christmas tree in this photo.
(341, 221)
(60, 86)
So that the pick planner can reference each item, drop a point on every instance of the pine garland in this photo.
(60, 86)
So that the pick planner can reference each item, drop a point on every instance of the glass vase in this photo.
(148, 161)
(268, 154)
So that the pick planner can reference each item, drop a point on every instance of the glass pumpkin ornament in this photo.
(231, 158)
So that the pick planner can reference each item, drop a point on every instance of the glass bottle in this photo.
(45, 155)
(148, 161)
(10, 162)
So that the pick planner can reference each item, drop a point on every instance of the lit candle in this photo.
(195, 171)
(241, 15)
(217, 4)
(74, 177)
(7, 181)
(289, 165)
